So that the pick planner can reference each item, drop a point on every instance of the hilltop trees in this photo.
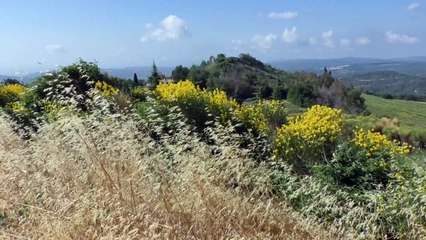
(180, 73)
(199, 76)
(244, 78)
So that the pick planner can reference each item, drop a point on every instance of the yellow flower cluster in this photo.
(177, 91)
(188, 96)
(13, 89)
(17, 107)
(219, 104)
(375, 142)
(275, 112)
(305, 135)
(139, 92)
(52, 109)
(9, 93)
(270, 107)
(191, 99)
(105, 89)
(252, 117)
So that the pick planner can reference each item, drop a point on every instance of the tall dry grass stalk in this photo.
(101, 177)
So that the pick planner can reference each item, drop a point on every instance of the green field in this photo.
(411, 114)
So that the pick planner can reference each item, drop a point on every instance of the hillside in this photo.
(172, 160)
(238, 76)
(411, 114)
(398, 76)
(245, 79)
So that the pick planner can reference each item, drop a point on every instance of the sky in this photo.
(45, 34)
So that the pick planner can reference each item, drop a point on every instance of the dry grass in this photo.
(101, 178)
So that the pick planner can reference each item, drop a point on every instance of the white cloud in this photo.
(363, 40)
(345, 42)
(400, 38)
(264, 42)
(312, 40)
(290, 36)
(413, 6)
(170, 28)
(54, 48)
(327, 38)
(283, 15)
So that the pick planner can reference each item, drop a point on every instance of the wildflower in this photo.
(197, 103)
(10, 93)
(105, 89)
(375, 143)
(312, 130)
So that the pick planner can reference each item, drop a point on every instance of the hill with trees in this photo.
(245, 78)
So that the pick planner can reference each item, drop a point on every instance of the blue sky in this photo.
(37, 35)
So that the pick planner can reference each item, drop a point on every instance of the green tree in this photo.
(326, 78)
(264, 91)
(355, 103)
(155, 77)
(301, 95)
(220, 58)
(135, 79)
(279, 92)
(180, 73)
(11, 81)
(199, 76)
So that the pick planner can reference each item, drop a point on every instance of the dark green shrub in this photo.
(350, 167)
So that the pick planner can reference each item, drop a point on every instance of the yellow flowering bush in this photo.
(275, 113)
(367, 161)
(10, 93)
(12, 89)
(252, 117)
(105, 89)
(263, 117)
(170, 92)
(374, 142)
(17, 107)
(220, 105)
(305, 139)
(139, 93)
(202, 105)
(198, 105)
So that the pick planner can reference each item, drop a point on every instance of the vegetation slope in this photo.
(87, 156)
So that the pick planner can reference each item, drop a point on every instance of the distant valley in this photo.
(379, 76)
(343, 67)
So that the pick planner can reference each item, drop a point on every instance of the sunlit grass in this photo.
(411, 114)
(99, 177)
